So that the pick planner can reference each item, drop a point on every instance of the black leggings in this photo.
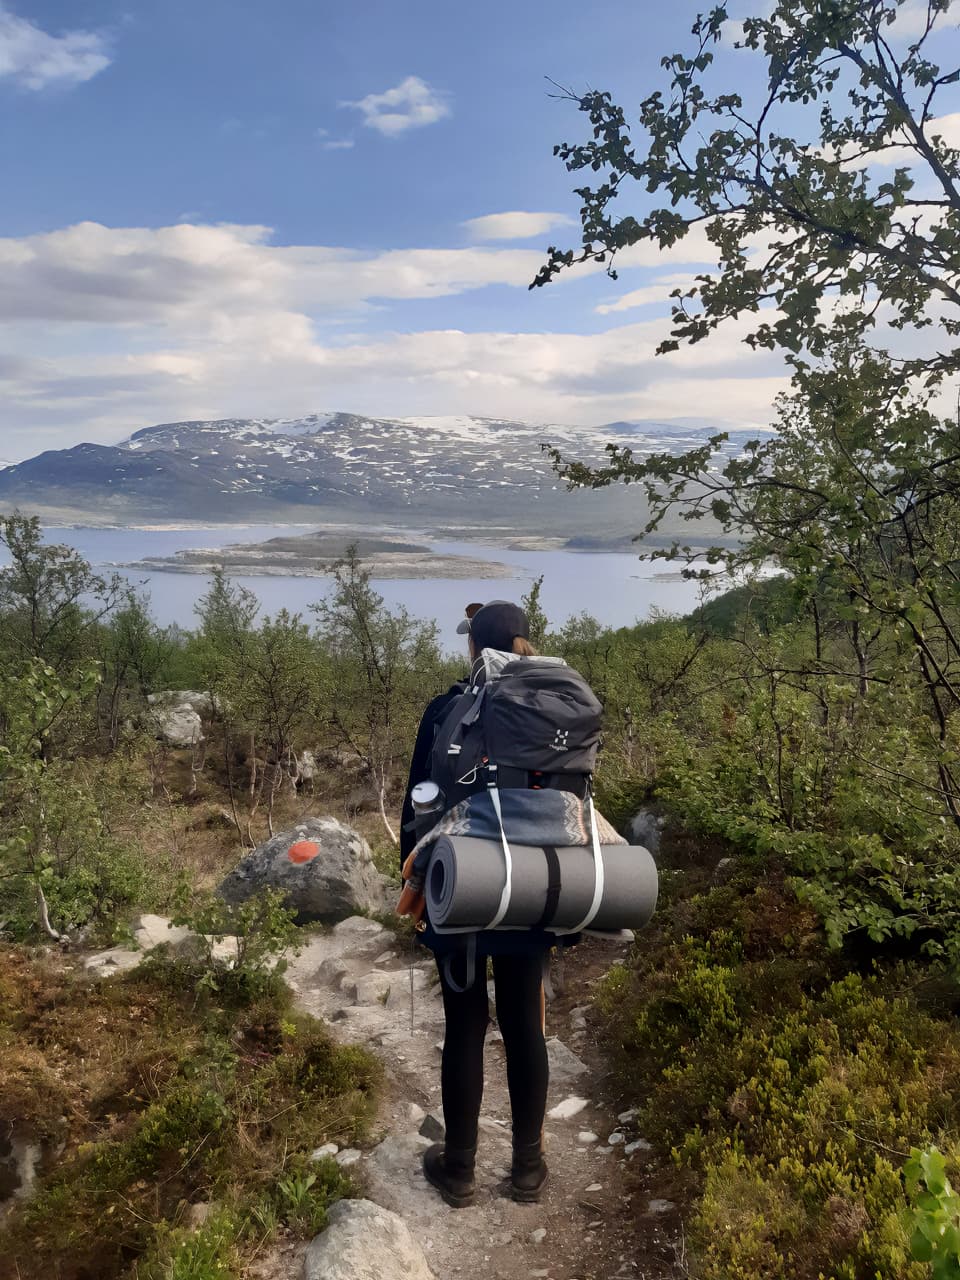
(519, 996)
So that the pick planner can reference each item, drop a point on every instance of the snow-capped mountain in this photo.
(335, 466)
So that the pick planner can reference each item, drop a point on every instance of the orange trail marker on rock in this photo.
(303, 851)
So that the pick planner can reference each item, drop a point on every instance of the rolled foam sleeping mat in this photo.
(466, 875)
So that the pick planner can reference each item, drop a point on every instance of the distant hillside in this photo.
(461, 471)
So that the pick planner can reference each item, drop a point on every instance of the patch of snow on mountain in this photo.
(454, 426)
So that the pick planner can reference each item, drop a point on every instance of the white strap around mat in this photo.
(591, 915)
(507, 863)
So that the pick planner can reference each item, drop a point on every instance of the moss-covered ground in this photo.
(790, 1082)
(179, 1126)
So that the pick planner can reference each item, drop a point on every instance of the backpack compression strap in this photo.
(507, 893)
(589, 918)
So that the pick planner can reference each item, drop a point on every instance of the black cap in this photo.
(496, 625)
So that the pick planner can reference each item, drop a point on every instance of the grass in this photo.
(163, 1099)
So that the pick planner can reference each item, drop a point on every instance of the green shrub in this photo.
(207, 1253)
(257, 933)
(788, 1091)
(933, 1220)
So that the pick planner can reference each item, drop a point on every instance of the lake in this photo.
(616, 588)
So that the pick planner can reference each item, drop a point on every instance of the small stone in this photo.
(723, 872)
(586, 1136)
(333, 970)
(660, 1206)
(394, 1163)
(346, 1158)
(431, 1128)
(415, 1114)
(491, 1125)
(150, 931)
(595, 1186)
(615, 1138)
(568, 1108)
(321, 1153)
(362, 1239)
(384, 957)
(565, 1066)
(538, 1236)
(639, 1144)
(356, 926)
(626, 1116)
(604, 1150)
(372, 988)
(116, 960)
(197, 1214)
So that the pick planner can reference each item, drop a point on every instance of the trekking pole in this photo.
(413, 946)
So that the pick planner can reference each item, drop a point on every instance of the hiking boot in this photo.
(451, 1172)
(528, 1173)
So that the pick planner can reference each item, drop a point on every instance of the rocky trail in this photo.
(604, 1213)
(608, 1211)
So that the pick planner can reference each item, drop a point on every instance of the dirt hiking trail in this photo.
(606, 1211)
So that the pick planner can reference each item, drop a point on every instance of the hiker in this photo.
(518, 959)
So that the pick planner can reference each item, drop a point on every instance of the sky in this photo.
(263, 208)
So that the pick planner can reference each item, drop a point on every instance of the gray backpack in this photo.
(522, 722)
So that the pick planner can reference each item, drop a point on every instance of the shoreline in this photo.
(396, 565)
(497, 538)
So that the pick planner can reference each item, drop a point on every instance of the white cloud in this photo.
(516, 225)
(36, 60)
(409, 105)
(327, 143)
(92, 274)
(945, 128)
(105, 329)
(911, 20)
(274, 364)
(657, 292)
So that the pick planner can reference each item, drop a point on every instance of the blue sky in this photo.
(260, 209)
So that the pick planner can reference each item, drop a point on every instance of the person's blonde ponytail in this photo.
(523, 648)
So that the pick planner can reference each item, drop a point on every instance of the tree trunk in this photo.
(382, 799)
(228, 767)
(197, 761)
(45, 924)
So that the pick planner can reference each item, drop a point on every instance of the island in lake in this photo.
(313, 555)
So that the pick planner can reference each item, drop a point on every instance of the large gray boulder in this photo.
(365, 1242)
(204, 704)
(176, 716)
(325, 869)
(645, 828)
